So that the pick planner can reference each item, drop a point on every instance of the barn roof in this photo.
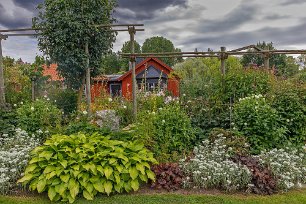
(138, 66)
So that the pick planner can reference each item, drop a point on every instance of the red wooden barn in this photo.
(150, 74)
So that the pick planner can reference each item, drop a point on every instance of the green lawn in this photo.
(294, 197)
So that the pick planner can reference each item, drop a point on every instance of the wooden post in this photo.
(267, 59)
(88, 91)
(33, 88)
(223, 58)
(2, 87)
(132, 33)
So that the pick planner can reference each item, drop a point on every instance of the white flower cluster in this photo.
(287, 165)
(212, 168)
(170, 99)
(14, 155)
(252, 97)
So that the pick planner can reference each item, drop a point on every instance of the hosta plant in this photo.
(66, 166)
(168, 176)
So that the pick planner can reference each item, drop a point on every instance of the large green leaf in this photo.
(99, 186)
(89, 187)
(50, 175)
(135, 184)
(143, 177)
(108, 186)
(73, 187)
(87, 195)
(100, 169)
(133, 172)
(140, 168)
(48, 169)
(46, 154)
(118, 187)
(65, 177)
(51, 193)
(150, 175)
(26, 178)
(30, 168)
(41, 185)
(64, 163)
(108, 171)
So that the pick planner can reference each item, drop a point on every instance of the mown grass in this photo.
(293, 197)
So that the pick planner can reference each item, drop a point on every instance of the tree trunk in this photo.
(80, 93)
(2, 88)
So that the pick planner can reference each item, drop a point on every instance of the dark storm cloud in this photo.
(138, 10)
(243, 13)
(291, 2)
(14, 20)
(292, 35)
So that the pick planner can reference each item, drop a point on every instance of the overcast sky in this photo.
(189, 24)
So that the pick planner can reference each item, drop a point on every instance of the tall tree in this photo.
(67, 26)
(110, 64)
(126, 48)
(160, 44)
(277, 61)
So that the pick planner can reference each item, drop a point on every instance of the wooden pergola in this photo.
(130, 28)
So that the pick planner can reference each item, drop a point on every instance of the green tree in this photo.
(126, 48)
(159, 45)
(66, 26)
(277, 61)
(110, 64)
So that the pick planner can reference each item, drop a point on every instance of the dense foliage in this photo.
(212, 167)
(160, 44)
(15, 148)
(66, 166)
(38, 115)
(66, 26)
(168, 176)
(288, 166)
(262, 179)
(259, 122)
(167, 132)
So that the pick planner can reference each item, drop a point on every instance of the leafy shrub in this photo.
(236, 143)
(84, 127)
(212, 167)
(65, 100)
(241, 82)
(259, 122)
(167, 132)
(8, 120)
(38, 115)
(66, 166)
(293, 114)
(88, 128)
(207, 115)
(14, 154)
(262, 179)
(287, 165)
(168, 176)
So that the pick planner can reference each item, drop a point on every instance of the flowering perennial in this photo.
(212, 167)
(14, 154)
(287, 165)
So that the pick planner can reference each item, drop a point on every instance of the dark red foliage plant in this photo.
(168, 176)
(262, 179)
